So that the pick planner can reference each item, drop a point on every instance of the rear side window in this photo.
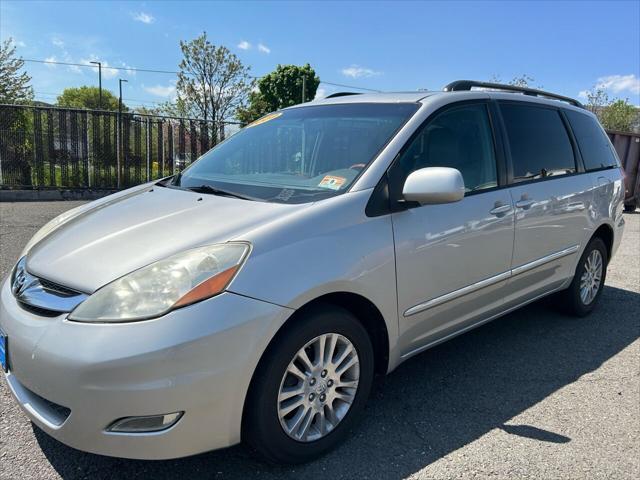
(538, 140)
(593, 142)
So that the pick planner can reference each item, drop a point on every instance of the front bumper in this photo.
(74, 379)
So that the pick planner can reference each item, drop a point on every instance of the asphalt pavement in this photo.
(534, 394)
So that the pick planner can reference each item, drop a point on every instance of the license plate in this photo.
(3, 351)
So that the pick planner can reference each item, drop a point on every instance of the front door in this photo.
(452, 259)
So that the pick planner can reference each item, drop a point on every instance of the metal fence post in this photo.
(118, 149)
(148, 140)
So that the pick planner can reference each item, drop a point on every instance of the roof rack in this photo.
(461, 85)
(342, 94)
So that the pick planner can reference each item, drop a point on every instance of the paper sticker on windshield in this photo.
(265, 119)
(334, 183)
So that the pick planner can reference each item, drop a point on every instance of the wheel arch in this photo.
(362, 308)
(605, 233)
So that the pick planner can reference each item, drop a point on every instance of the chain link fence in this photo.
(51, 147)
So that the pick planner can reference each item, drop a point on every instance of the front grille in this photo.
(48, 410)
(61, 412)
(57, 288)
(43, 312)
(44, 297)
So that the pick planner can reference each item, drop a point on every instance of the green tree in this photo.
(17, 144)
(89, 97)
(279, 89)
(212, 84)
(619, 115)
(14, 84)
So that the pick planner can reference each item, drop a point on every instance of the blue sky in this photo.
(568, 47)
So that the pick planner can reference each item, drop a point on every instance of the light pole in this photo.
(120, 80)
(304, 89)
(99, 82)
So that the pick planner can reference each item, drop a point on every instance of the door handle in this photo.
(500, 210)
(525, 204)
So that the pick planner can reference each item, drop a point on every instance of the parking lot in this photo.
(534, 394)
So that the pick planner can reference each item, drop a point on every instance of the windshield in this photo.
(298, 155)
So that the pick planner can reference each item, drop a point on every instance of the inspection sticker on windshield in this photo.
(334, 183)
(265, 119)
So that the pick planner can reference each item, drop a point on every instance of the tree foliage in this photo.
(619, 115)
(280, 89)
(597, 99)
(14, 84)
(213, 83)
(524, 80)
(89, 97)
(614, 114)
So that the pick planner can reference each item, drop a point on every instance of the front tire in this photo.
(584, 292)
(310, 387)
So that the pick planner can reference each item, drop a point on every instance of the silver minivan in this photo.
(255, 295)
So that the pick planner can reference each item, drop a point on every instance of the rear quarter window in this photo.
(593, 143)
(538, 141)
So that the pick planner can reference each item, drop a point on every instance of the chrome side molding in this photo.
(489, 281)
(541, 261)
(457, 293)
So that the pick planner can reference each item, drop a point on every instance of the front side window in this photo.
(538, 140)
(298, 155)
(459, 138)
(594, 145)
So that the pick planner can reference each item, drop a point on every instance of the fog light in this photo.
(149, 423)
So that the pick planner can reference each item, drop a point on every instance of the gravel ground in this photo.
(532, 395)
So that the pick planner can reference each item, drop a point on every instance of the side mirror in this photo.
(434, 185)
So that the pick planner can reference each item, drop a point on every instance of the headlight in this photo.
(154, 290)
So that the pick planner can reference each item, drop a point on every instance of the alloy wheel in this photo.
(318, 387)
(591, 277)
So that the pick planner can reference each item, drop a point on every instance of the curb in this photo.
(51, 195)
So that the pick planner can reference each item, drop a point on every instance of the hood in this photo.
(113, 238)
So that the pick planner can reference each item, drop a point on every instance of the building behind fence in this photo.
(89, 149)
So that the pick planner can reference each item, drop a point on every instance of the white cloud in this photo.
(584, 94)
(128, 69)
(49, 61)
(620, 83)
(244, 45)
(320, 93)
(356, 71)
(19, 43)
(143, 17)
(57, 42)
(263, 48)
(162, 91)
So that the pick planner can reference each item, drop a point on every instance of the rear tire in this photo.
(313, 344)
(586, 287)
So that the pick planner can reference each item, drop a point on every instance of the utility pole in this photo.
(99, 82)
(120, 80)
(304, 88)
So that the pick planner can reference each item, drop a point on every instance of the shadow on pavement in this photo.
(431, 405)
(535, 433)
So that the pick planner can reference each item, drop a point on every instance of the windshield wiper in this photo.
(216, 191)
